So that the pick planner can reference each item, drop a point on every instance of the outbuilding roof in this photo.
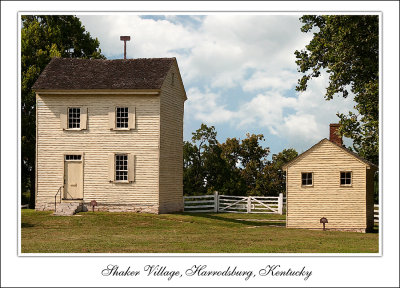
(368, 163)
(77, 74)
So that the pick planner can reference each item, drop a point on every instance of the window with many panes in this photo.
(121, 167)
(74, 118)
(306, 179)
(121, 117)
(345, 178)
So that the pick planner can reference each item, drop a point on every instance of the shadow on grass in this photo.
(244, 222)
(26, 225)
(374, 230)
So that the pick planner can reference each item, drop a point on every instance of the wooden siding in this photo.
(96, 142)
(344, 207)
(171, 143)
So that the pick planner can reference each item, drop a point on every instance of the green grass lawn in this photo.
(103, 232)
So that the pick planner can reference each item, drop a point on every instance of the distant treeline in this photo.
(236, 167)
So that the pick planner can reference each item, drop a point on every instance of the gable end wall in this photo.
(171, 143)
(344, 207)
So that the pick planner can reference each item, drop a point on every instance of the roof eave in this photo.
(98, 91)
(368, 164)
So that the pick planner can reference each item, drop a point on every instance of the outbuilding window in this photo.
(74, 118)
(307, 179)
(345, 178)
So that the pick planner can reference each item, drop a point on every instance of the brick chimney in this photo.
(334, 135)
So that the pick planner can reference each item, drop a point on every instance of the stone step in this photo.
(68, 209)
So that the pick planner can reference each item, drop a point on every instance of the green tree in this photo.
(275, 177)
(217, 170)
(192, 185)
(44, 37)
(347, 47)
(197, 156)
(234, 183)
(233, 168)
(231, 152)
(253, 159)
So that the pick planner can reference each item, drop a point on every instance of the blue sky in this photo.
(239, 72)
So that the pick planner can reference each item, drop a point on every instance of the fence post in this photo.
(216, 201)
(249, 204)
(280, 204)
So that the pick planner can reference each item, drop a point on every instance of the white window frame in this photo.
(80, 118)
(351, 179)
(116, 168)
(312, 179)
(122, 117)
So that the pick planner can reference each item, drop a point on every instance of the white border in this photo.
(196, 254)
(331, 271)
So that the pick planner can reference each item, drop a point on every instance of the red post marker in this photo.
(323, 220)
(93, 203)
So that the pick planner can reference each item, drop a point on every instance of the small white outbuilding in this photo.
(329, 181)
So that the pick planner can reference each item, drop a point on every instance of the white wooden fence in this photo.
(234, 204)
(241, 204)
(376, 213)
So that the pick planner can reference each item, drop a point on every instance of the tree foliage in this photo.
(347, 47)
(236, 167)
(275, 176)
(253, 159)
(44, 37)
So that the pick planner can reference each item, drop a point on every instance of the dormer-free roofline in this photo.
(98, 74)
(368, 164)
(100, 92)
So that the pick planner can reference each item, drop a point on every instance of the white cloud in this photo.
(313, 114)
(302, 120)
(265, 110)
(206, 106)
(149, 38)
(303, 127)
(220, 50)
(276, 80)
(252, 56)
(228, 46)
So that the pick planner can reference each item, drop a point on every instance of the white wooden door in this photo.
(73, 179)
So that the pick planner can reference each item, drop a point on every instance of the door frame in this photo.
(82, 154)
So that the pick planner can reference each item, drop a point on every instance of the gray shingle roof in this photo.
(77, 74)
